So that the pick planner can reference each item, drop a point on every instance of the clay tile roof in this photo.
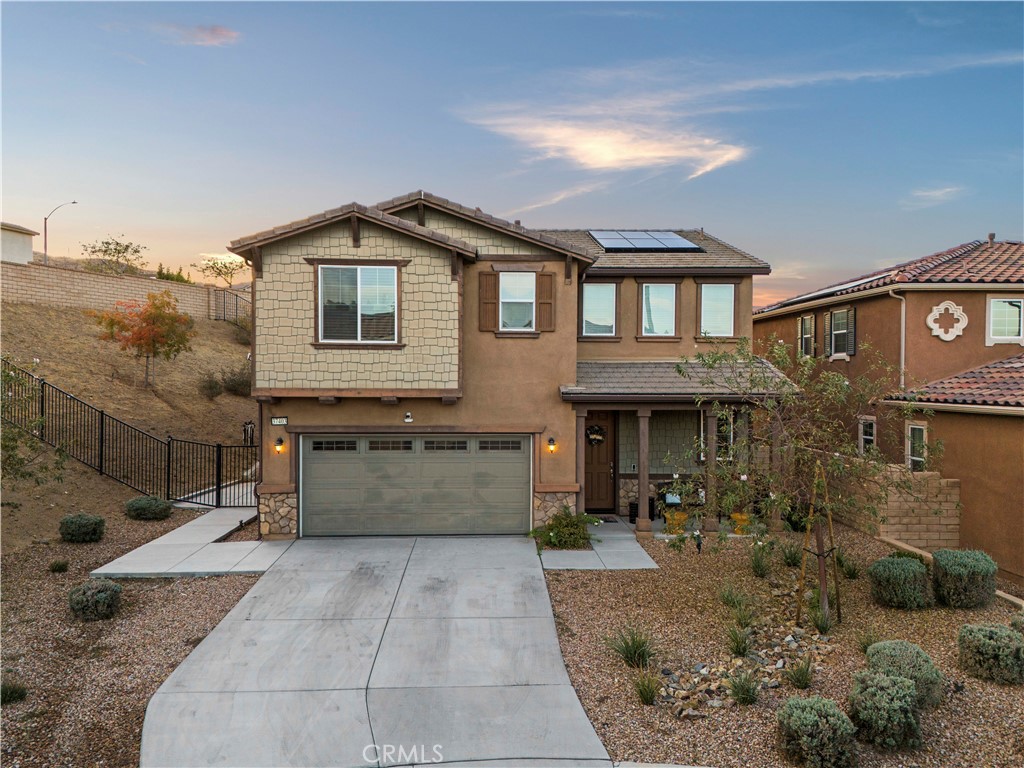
(978, 261)
(661, 381)
(335, 214)
(403, 201)
(1000, 383)
(714, 254)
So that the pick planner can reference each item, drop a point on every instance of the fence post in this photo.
(42, 410)
(168, 475)
(220, 468)
(103, 418)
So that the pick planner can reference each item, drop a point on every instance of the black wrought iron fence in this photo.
(210, 474)
(232, 307)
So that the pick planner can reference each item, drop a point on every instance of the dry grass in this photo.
(680, 607)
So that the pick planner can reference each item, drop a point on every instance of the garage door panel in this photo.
(386, 485)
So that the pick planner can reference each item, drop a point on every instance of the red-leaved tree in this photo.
(150, 330)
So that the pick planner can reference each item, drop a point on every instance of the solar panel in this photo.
(613, 240)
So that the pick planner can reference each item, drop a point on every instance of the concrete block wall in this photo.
(61, 287)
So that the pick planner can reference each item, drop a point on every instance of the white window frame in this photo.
(806, 334)
(583, 314)
(833, 355)
(990, 339)
(732, 311)
(675, 310)
(732, 436)
(862, 439)
(911, 459)
(359, 304)
(502, 276)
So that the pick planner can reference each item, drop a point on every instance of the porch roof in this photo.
(670, 381)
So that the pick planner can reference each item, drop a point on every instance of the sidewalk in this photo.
(615, 548)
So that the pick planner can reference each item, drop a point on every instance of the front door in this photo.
(599, 466)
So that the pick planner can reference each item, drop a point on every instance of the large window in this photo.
(725, 439)
(518, 293)
(358, 304)
(840, 336)
(805, 336)
(658, 310)
(1005, 321)
(717, 309)
(917, 447)
(598, 309)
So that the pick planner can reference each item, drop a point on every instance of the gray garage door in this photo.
(414, 485)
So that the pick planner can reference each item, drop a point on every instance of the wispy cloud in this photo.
(557, 197)
(207, 36)
(930, 197)
(931, 20)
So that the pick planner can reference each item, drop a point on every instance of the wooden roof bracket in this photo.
(568, 269)
(355, 230)
(456, 265)
(421, 214)
(389, 400)
(255, 260)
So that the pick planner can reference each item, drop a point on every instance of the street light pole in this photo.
(46, 218)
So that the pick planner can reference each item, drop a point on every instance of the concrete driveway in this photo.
(379, 651)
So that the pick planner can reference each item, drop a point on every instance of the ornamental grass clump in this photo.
(82, 528)
(884, 710)
(964, 578)
(815, 731)
(739, 641)
(744, 686)
(647, 685)
(900, 582)
(898, 658)
(11, 692)
(732, 597)
(792, 553)
(1017, 622)
(147, 508)
(761, 559)
(634, 646)
(992, 652)
(744, 615)
(867, 638)
(801, 674)
(95, 600)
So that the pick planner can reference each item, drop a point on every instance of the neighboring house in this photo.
(423, 367)
(932, 318)
(16, 243)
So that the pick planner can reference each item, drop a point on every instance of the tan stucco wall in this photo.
(286, 310)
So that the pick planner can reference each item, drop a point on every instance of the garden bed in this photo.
(978, 723)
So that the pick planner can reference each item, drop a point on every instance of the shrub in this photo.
(82, 528)
(12, 691)
(1017, 622)
(884, 710)
(792, 554)
(744, 686)
(898, 658)
(647, 685)
(867, 638)
(59, 566)
(565, 530)
(898, 553)
(242, 334)
(799, 675)
(732, 597)
(992, 652)
(210, 386)
(850, 569)
(900, 582)
(95, 599)
(147, 508)
(738, 641)
(816, 731)
(761, 559)
(744, 615)
(634, 646)
(964, 578)
(237, 381)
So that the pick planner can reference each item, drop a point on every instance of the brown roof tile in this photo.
(1000, 383)
(661, 381)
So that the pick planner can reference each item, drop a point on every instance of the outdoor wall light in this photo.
(552, 445)
(279, 445)
(408, 417)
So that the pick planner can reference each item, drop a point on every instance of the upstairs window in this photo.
(518, 296)
(805, 336)
(1005, 321)
(517, 301)
(358, 304)
(598, 309)
(917, 447)
(866, 433)
(840, 333)
(717, 309)
(658, 309)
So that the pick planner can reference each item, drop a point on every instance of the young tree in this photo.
(223, 267)
(114, 256)
(150, 330)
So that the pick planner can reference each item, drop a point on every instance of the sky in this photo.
(829, 139)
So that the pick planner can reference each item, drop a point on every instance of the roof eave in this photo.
(597, 269)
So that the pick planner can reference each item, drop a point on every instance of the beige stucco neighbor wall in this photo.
(286, 310)
(38, 284)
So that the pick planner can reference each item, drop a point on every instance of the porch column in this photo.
(643, 518)
(581, 460)
(710, 456)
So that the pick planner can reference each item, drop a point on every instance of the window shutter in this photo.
(827, 346)
(799, 335)
(545, 301)
(814, 339)
(851, 332)
(488, 301)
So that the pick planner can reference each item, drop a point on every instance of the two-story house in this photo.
(422, 367)
(952, 324)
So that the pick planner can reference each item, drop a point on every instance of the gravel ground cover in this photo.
(978, 724)
(89, 683)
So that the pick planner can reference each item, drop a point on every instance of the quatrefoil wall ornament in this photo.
(959, 321)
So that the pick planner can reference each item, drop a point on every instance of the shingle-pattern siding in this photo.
(1000, 383)
(286, 308)
(487, 241)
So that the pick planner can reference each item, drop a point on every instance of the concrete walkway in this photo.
(432, 649)
(615, 548)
